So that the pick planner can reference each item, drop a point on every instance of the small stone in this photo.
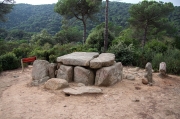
(144, 81)
(130, 77)
(80, 84)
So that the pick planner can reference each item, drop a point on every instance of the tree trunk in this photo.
(145, 36)
(84, 33)
(106, 27)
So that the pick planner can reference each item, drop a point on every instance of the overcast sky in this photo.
(37, 2)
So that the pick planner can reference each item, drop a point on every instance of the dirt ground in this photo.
(124, 100)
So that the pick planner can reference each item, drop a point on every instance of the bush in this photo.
(123, 53)
(95, 39)
(156, 46)
(9, 61)
(171, 58)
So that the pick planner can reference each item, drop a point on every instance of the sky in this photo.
(37, 2)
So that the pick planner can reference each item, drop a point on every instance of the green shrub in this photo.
(9, 61)
(155, 46)
(171, 58)
(95, 39)
(123, 53)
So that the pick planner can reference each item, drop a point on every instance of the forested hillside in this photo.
(34, 18)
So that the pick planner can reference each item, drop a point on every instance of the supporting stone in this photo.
(83, 75)
(107, 76)
(65, 72)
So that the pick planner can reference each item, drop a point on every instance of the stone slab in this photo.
(104, 60)
(81, 90)
(78, 58)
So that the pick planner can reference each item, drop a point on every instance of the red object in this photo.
(29, 59)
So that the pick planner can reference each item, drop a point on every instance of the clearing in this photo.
(124, 100)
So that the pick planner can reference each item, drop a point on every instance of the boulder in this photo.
(78, 58)
(107, 76)
(144, 81)
(104, 60)
(162, 68)
(81, 90)
(83, 75)
(55, 84)
(65, 72)
(52, 69)
(40, 71)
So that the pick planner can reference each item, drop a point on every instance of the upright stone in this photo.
(52, 69)
(107, 76)
(65, 72)
(148, 74)
(104, 60)
(40, 71)
(78, 58)
(162, 69)
(83, 75)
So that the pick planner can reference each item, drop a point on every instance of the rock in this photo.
(80, 84)
(144, 81)
(130, 77)
(83, 75)
(137, 69)
(162, 69)
(148, 74)
(65, 72)
(52, 69)
(81, 90)
(107, 76)
(40, 71)
(55, 84)
(104, 60)
(78, 58)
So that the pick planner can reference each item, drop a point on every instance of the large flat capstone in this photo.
(78, 58)
(104, 60)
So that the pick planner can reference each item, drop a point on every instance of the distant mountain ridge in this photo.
(34, 18)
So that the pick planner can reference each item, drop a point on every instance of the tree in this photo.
(106, 27)
(80, 9)
(5, 7)
(148, 15)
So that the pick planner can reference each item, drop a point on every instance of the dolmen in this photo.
(89, 68)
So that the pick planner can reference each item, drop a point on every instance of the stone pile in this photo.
(90, 68)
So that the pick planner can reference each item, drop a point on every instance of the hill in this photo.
(34, 18)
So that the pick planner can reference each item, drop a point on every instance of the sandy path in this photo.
(125, 100)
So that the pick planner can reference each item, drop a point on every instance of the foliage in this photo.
(148, 15)
(81, 10)
(156, 46)
(126, 36)
(123, 52)
(42, 38)
(96, 38)
(5, 8)
(171, 58)
(22, 51)
(9, 61)
(71, 34)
